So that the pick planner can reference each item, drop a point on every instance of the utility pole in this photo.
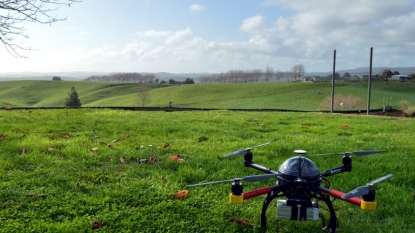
(369, 82)
(332, 81)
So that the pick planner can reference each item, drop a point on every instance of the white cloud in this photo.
(197, 7)
(318, 27)
(154, 34)
(254, 24)
(78, 30)
(79, 49)
(82, 33)
(178, 36)
(308, 34)
(170, 37)
(135, 50)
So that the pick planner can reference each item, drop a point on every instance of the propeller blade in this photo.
(363, 190)
(361, 153)
(259, 177)
(260, 145)
(243, 151)
(381, 179)
(358, 153)
(246, 178)
(207, 183)
(239, 152)
(327, 154)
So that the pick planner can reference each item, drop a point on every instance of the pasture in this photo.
(273, 95)
(78, 170)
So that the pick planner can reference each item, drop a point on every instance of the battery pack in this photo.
(297, 210)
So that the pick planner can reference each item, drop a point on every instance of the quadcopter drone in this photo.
(300, 182)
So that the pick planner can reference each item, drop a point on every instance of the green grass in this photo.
(275, 95)
(68, 187)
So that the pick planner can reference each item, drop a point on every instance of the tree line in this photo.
(255, 75)
(124, 78)
(135, 78)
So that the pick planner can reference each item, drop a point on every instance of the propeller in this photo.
(242, 152)
(246, 178)
(363, 190)
(358, 153)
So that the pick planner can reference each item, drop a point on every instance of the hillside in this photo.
(78, 76)
(365, 70)
(275, 95)
(165, 76)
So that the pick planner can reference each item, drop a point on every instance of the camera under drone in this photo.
(300, 187)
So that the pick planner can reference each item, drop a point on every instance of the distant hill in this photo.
(365, 70)
(68, 76)
(77, 76)
(165, 76)
(179, 76)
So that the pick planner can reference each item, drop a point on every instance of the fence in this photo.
(172, 109)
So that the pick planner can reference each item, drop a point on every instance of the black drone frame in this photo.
(315, 191)
(300, 190)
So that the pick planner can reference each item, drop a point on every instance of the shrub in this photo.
(406, 109)
(343, 102)
(410, 111)
(73, 100)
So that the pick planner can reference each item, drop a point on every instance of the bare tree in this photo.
(143, 93)
(297, 72)
(278, 75)
(15, 12)
(256, 75)
(269, 72)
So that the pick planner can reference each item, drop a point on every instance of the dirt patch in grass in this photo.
(392, 113)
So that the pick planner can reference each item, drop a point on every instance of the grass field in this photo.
(275, 95)
(54, 180)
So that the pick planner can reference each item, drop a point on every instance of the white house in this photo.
(400, 77)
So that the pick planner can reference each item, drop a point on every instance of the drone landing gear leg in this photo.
(268, 199)
(333, 219)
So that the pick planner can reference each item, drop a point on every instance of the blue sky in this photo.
(218, 36)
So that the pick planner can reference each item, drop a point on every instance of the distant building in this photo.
(366, 76)
(400, 77)
(312, 79)
(56, 78)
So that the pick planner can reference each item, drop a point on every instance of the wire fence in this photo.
(172, 109)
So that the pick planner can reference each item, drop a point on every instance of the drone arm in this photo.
(335, 171)
(257, 192)
(338, 195)
(262, 191)
(346, 167)
(260, 168)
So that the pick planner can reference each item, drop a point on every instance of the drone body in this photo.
(299, 182)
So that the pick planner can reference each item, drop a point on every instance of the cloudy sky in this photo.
(219, 35)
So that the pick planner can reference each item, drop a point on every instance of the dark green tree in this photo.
(347, 75)
(189, 81)
(73, 99)
(330, 76)
(386, 74)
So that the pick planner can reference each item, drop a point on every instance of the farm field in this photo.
(273, 95)
(78, 170)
